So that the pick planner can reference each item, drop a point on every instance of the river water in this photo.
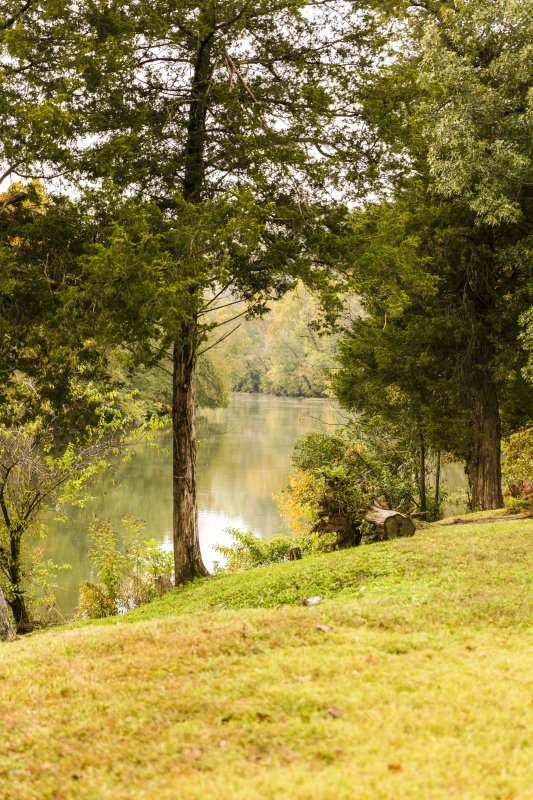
(243, 460)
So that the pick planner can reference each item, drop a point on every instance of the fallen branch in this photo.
(506, 518)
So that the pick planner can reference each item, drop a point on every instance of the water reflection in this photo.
(243, 460)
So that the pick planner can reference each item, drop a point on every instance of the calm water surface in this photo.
(243, 460)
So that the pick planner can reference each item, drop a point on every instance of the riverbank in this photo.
(412, 679)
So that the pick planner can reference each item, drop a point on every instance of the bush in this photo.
(518, 456)
(250, 550)
(127, 567)
(345, 473)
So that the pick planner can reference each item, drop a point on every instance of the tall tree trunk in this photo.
(188, 562)
(484, 460)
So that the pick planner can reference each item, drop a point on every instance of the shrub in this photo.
(249, 550)
(341, 472)
(518, 456)
(126, 565)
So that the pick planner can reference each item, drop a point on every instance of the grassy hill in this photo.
(413, 679)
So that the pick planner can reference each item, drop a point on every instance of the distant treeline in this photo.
(282, 353)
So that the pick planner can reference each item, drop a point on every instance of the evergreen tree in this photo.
(441, 361)
(454, 107)
(228, 125)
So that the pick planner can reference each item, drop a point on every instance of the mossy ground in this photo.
(418, 684)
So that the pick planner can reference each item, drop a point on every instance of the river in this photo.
(243, 460)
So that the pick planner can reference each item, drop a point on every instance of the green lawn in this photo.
(418, 683)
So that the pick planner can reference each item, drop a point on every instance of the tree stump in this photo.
(163, 584)
(7, 632)
(390, 524)
(294, 554)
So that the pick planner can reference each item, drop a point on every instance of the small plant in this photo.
(515, 504)
(126, 565)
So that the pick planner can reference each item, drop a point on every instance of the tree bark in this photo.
(7, 632)
(423, 500)
(188, 563)
(390, 524)
(18, 602)
(483, 466)
(437, 486)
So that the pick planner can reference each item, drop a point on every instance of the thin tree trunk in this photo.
(423, 500)
(18, 602)
(437, 486)
(484, 461)
(7, 632)
(188, 562)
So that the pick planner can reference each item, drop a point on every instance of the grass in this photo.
(418, 684)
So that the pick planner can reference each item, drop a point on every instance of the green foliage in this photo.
(126, 566)
(361, 469)
(46, 465)
(249, 550)
(518, 456)
(212, 382)
(476, 62)
(515, 504)
(149, 389)
(344, 473)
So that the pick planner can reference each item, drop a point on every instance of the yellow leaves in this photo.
(294, 502)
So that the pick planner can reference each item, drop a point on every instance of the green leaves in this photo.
(479, 55)
(126, 565)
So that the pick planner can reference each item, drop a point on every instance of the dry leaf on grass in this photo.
(323, 628)
(335, 712)
(395, 768)
(192, 754)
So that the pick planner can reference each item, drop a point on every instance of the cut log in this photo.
(390, 524)
(7, 631)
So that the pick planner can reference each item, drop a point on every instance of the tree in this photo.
(227, 126)
(452, 108)
(445, 360)
(45, 464)
(41, 240)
